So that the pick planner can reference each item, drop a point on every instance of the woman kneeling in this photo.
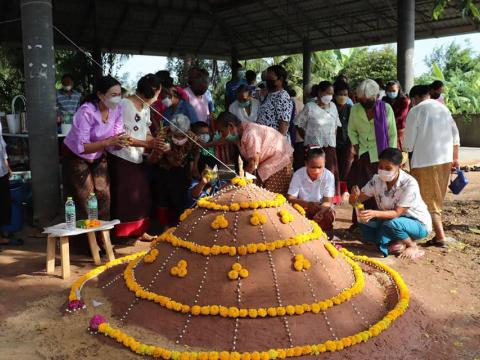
(403, 216)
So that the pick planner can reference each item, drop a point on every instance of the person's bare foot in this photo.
(412, 252)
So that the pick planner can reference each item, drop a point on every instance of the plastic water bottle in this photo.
(70, 217)
(92, 205)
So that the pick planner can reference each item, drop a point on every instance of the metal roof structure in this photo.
(220, 29)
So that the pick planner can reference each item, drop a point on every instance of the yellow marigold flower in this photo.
(213, 355)
(224, 249)
(149, 259)
(299, 309)
(237, 266)
(290, 309)
(214, 310)
(215, 250)
(299, 257)
(243, 313)
(182, 264)
(235, 207)
(331, 345)
(245, 205)
(262, 247)
(205, 310)
(281, 311)
(252, 313)
(297, 351)
(224, 355)
(232, 251)
(185, 309)
(272, 311)
(233, 274)
(262, 312)
(256, 355)
(185, 214)
(298, 265)
(174, 271)
(300, 209)
(315, 308)
(306, 264)
(246, 356)
(233, 312)
(242, 250)
(154, 252)
(243, 273)
(252, 248)
(254, 220)
(195, 310)
(220, 222)
(290, 352)
(264, 355)
(223, 311)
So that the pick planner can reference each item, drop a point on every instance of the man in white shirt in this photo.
(432, 137)
(313, 188)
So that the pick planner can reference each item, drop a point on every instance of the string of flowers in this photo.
(241, 181)
(205, 203)
(300, 209)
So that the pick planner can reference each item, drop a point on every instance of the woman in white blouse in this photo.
(317, 124)
(130, 187)
(245, 107)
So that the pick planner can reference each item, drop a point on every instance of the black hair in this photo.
(393, 155)
(395, 82)
(323, 86)
(243, 88)
(379, 81)
(280, 72)
(67, 75)
(148, 85)
(313, 153)
(435, 85)
(102, 86)
(250, 76)
(419, 90)
(226, 118)
(314, 91)
(165, 79)
(198, 125)
(340, 86)
(236, 65)
(292, 92)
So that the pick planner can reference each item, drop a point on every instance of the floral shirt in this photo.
(405, 193)
(275, 108)
(179, 156)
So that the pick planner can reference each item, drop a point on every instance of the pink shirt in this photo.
(200, 104)
(273, 148)
(88, 127)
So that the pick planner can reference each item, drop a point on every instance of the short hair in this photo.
(435, 85)
(198, 125)
(236, 65)
(368, 88)
(67, 75)
(180, 122)
(148, 85)
(323, 86)
(340, 86)
(280, 72)
(313, 153)
(393, 155)
(419, 90)
(250, 75)
(226, 118)
(243, 88)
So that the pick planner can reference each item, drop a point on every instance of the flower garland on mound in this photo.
(101, 325)
(237, 206)
(251, 248)
(235, 312)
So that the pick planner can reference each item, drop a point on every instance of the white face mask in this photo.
(112, 102)
(67, 88)
(326, 99)
(179, 142)
(386, 176)
(167, 102)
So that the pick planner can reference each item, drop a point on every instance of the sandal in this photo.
(445, 243)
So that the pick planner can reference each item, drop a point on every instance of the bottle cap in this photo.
(92, 194)
(69, 198)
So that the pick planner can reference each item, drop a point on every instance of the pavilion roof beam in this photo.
(117, 28)
(205, 38)
(151, 30)
(281, 18)
(180, 32)
(89, 16)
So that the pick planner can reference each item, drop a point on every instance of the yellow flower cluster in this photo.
(251, 248)
(77, 285)
(300, 263)
(241, 181)
(237, 271)
(151, 256)
(180, 270)
(235, 312)
(331, 249)
(185, 214)
(220, 222)
(285, 216)
(300, 209)
(258, 218)
(237, 206)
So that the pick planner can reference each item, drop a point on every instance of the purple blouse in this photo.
(88, 127)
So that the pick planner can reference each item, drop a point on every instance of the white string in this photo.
(145, 103)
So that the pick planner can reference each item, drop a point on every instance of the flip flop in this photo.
(445, 243)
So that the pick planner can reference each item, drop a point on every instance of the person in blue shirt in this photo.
(208, 185)
(238, 78)
(174, 105)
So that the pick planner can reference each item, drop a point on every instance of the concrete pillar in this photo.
(37, 35)
(405, 42)
(307, 64)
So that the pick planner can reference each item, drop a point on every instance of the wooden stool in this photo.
(63, 234)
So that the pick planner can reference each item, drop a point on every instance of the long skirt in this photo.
(5, 201)
(170, 193)
(280, 181)
(131, 199)
(361, 173)
(81, 177)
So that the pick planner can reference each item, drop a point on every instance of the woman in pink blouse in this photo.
(97, 125)
(267, 151)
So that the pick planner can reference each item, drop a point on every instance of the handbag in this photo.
(457, 184)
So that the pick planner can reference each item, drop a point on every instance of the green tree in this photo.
(12, 81)
(468, 8)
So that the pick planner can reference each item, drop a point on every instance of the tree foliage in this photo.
(12, 81)
(468, 9)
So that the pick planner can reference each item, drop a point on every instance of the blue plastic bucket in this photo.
(18, 194)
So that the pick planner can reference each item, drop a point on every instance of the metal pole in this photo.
(405, 42)
(307, 64)
(38, 52)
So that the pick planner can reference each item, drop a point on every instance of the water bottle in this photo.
(92, 205)
(70, 218)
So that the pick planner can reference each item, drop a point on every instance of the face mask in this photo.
(326, 99)
(341, 99)
(368, 104)
(167, 102)
(245, 104)
(386, 176)
(112, 102)
(67, 88)
(271, 85)
(204, 138)
(179, 142)
(392, 94)
(232, 137)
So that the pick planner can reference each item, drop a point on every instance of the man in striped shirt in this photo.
(68, 100)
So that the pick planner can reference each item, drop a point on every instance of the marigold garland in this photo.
(220, 222)
(237, 206)
(258, 218)
(300, 209)
(241, 181)
(151, 256)
(280, 353)
(185, 214)
(331, 249)
(251, 248)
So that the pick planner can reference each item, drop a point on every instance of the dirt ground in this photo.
(444, 286)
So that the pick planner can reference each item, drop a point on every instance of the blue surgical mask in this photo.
(204, 138)
(245, 104)
(392, 94)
